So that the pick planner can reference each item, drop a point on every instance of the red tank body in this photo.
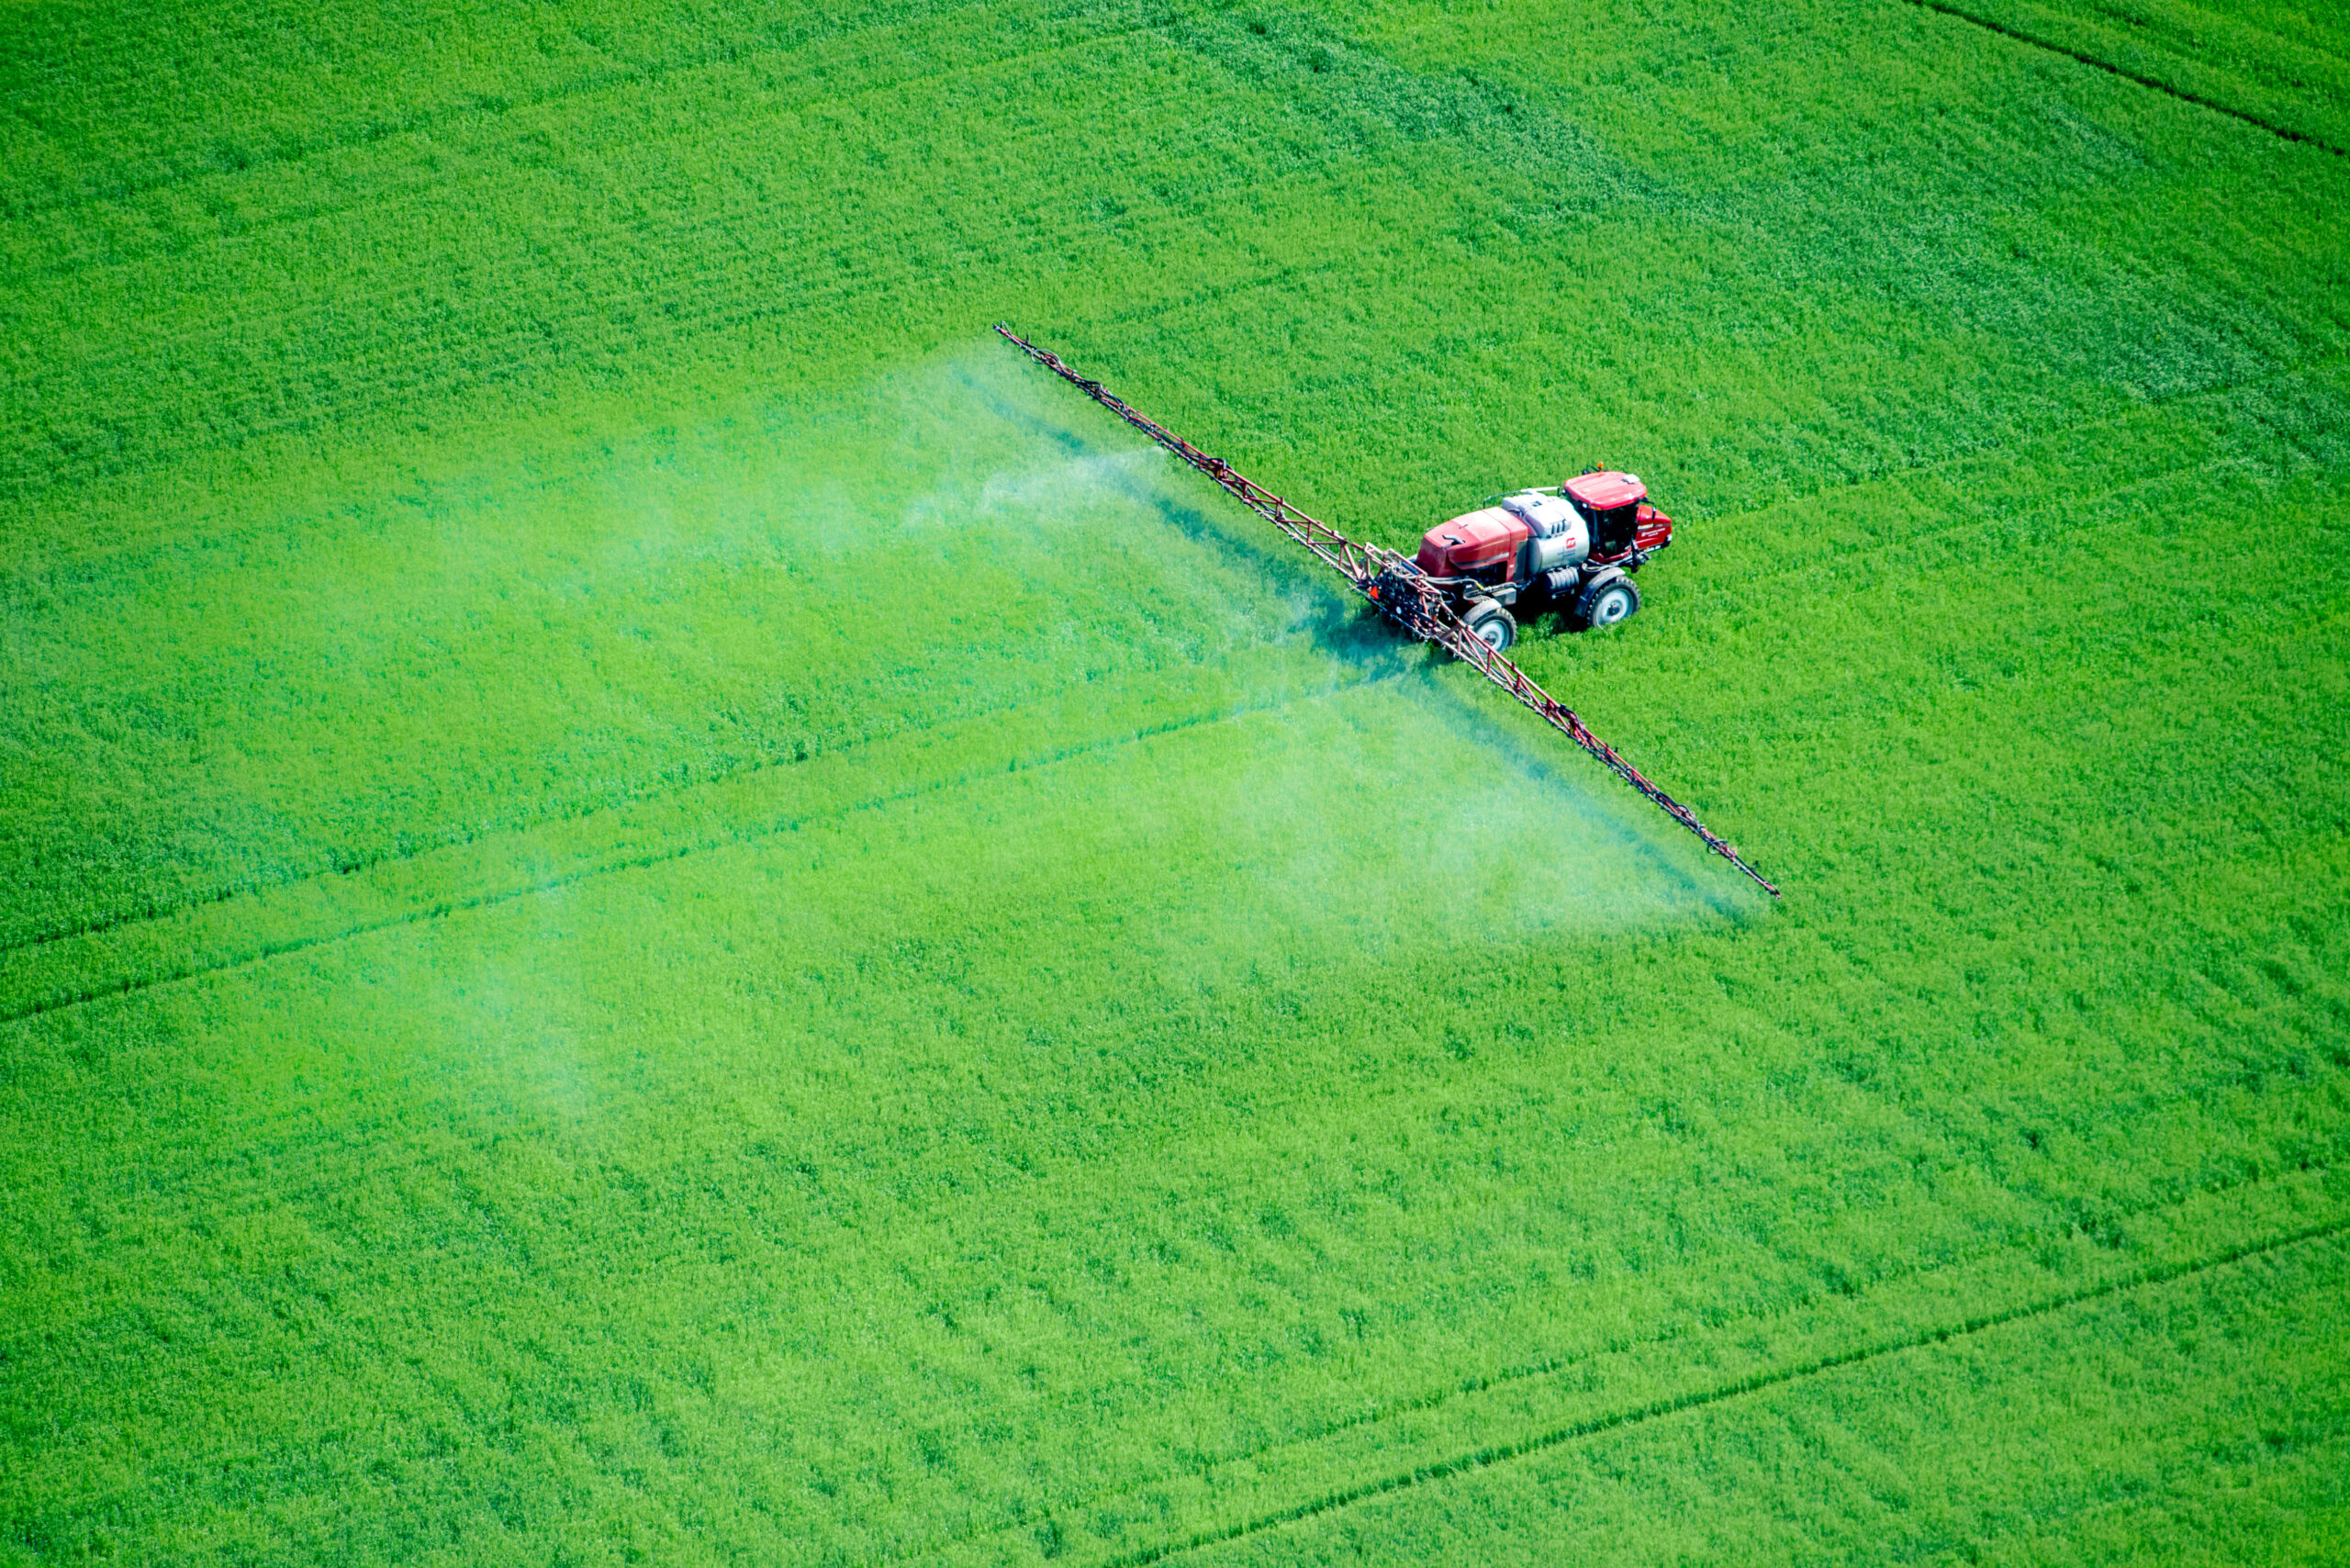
(1482, 544)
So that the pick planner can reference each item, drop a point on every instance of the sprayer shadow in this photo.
(1351, 634)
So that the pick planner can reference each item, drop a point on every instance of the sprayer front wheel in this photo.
(1613, 600)
(1493, 625)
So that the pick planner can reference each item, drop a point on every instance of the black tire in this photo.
(1606, 604)
(1493, 625)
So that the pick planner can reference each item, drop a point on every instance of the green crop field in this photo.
(657, 905)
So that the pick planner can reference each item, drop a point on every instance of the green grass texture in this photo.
(662, 907)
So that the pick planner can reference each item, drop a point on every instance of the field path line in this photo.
(1470, 1426)
(215, 937)
(1685, 1329)
(460, 838)
(621, 75)
(1502, 1453)
(2110, 418)
(2183, 96)
(410, 190)
(1854, 567)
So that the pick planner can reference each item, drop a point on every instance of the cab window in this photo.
(1613, 533)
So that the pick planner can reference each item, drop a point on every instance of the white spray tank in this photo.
(1559, 540)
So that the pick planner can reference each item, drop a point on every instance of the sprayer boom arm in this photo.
(1391, 582)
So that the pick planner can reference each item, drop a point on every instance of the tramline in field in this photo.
(1577, 546)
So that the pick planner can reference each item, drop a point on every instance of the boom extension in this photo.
(1391, 582)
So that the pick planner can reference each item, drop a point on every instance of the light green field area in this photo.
(661, 906)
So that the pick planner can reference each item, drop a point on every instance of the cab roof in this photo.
(1606, 490)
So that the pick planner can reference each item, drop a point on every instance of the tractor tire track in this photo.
(2284, 133)
(443, 908)
(2007, 448)
(1781, 570)
(480, 106)
(1502, 1453)
(480, 352)
(1300, 272)
(1667, 1334)
(403, 193)
(358, 865)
